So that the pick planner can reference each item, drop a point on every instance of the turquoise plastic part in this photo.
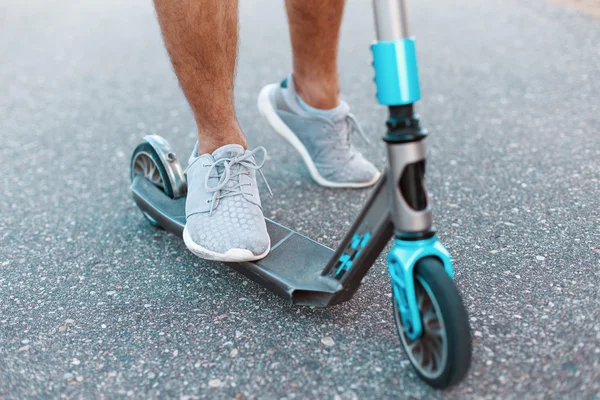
(402, 259)
(346, 260)
(396, 72)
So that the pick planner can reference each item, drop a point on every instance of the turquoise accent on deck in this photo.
(358, 242)
(396, 72)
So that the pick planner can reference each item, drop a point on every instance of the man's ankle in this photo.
(322, 94)
(209, 141)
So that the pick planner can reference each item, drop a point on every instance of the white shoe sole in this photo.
(266, 110)
(232, 255)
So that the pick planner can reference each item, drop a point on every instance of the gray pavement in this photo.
(95, 303)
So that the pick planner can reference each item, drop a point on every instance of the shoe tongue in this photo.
(228, 151)
(341, 112)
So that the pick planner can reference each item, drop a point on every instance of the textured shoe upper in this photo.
(327, 139)
(223, 208)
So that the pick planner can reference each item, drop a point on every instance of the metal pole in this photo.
(391, 20)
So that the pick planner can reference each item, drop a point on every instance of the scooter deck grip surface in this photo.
(293, 269)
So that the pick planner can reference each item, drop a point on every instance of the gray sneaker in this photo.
(323, 143)
(224, 218)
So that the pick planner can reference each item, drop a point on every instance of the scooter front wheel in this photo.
(442, 354)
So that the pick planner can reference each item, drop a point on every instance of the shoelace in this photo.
(357, 127)
(243, 162)
(351, 124)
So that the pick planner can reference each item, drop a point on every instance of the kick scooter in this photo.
(428, 311)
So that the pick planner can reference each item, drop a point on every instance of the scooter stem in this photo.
(391, 21)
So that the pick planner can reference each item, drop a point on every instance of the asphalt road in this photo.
(95, 303)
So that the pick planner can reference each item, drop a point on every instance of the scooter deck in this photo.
(293, 269)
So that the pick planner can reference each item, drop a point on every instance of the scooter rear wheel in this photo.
(442, 355)
(145, 161)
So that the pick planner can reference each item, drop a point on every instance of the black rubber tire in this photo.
(456, 322)
(147, 148)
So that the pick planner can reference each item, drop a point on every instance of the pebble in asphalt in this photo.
(94, 302)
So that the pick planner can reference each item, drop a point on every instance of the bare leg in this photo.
(315, 32)
(201, 37)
